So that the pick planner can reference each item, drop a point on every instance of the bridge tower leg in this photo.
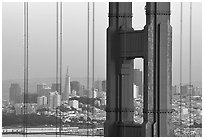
(153, 44)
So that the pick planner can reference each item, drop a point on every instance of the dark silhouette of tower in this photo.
(153, 44)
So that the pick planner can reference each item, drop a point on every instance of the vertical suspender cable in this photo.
(25, 66)
(27, 70)
(93, 65)
(87, 67)
(190, 58)
(60, 61)
(181, 36)
(57, 38)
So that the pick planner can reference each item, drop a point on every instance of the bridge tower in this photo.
(153, 44)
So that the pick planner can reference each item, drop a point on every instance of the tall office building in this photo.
(67, 88)
(40, 88)
(15, 93)
(54, 99)
(138, 80)
(75, 85)
(50, 99)
(46, 91)
(55, 87)
(42, 101)
(81, 90)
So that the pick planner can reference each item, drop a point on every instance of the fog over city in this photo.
(42, 39)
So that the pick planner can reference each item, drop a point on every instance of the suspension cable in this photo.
(60, 63)
(25, 67)
(93, 66)
(57, 38)
(190, 58)
(181, 44)
(87, 68)
(57, 64)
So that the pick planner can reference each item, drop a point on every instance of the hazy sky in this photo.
(42, 39)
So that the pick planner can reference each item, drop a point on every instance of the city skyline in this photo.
(134, 69)
(46, 105)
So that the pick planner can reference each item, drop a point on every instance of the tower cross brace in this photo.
(153, 44)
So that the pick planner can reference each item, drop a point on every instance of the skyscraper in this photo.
(42, 100)
(54, 99)
(40, 88)
(67, 88)
(75, 85)
(50, 99)
(46, 91)
(15, 93)
(55, 87)
(81, 91)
